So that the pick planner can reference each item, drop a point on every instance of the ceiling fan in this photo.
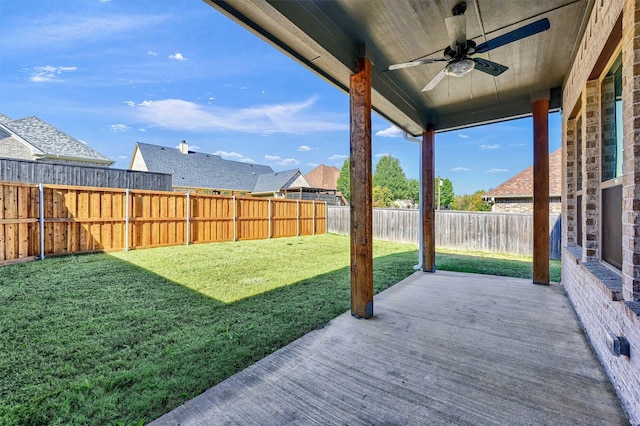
(458, 53)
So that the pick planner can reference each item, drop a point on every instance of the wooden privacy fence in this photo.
(477, 231)
(41, 220)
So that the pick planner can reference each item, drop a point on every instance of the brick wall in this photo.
(601, 312)
(605, 300)
(523, 205)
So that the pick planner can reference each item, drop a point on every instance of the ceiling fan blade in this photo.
(489, 67)
(434, 82)
(457, 31)
(414, 63)
(515, 35)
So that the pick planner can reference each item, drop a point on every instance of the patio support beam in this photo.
(428, 200)
(540, 109)
(360, 202)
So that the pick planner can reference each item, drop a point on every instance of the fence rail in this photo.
(477, 231)
(41, 220)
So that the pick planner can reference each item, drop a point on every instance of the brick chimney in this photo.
(184, 147)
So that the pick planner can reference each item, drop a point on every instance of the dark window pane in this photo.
(612, 226)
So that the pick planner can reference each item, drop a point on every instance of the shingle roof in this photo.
(270, 182)
(199, 170)
(325, 177)
(521, 185)
(51, 141)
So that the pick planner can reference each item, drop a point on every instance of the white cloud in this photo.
(460, 169)
(191, 147)
(122, 157)
(65, 30)
(272, 157)
(118, 128)
(142, 130)
(297, 118)
(178, 57)
(304, 148)
(384, 154)
(485, 146)
(338, 157)
(498, 170)
(49, 73)
(152, 53)
(130, 103)
(288, 162)
(234, 156)
(390, 132)
(312, 164)
(463, 136)
(516, 144)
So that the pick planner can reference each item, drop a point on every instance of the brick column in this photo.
(631, 154)
(591, 173)
(569, 183)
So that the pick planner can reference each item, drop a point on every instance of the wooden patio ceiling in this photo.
(325, 35)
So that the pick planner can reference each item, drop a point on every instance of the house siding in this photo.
(12, 148)
(605, 299)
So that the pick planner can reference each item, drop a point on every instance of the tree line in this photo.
(390, 185)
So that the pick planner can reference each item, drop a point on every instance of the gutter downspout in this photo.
(409, 138)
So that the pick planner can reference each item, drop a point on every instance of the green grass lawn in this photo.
(125, 337)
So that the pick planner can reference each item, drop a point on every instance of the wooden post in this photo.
(41, 218)
(541, 191)
(188, 221)
(235, 221)
(127, 215)
(361, 207)
(428, 201)
(269, 221)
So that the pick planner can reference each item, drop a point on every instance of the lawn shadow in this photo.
(108, 341)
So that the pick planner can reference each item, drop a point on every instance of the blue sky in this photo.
(115, 72)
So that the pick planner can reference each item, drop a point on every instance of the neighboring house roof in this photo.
(521, 185)
(199, 170)
(270, 182)
(325, 177)
(49, 142)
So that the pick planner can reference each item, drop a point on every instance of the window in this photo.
(612, 122)
(611, 165)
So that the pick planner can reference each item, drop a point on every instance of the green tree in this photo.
(344, 179)
(474, 202)
(381, 196)
(444, 192)
(389, 174)
(413, 190)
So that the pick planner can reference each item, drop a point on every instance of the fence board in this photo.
(87, 219)
(474, 231)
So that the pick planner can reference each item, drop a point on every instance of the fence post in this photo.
(41, 219)
(269, 231)
(188, 223)
(297, 218)
(235, 231)
(313, 217)
(127, 213)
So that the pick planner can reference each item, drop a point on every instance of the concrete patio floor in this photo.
(443, 348)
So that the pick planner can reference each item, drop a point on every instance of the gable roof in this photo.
(50, 141)
(199, 170)
(270, 182)
(521, 185)
(325, 177)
